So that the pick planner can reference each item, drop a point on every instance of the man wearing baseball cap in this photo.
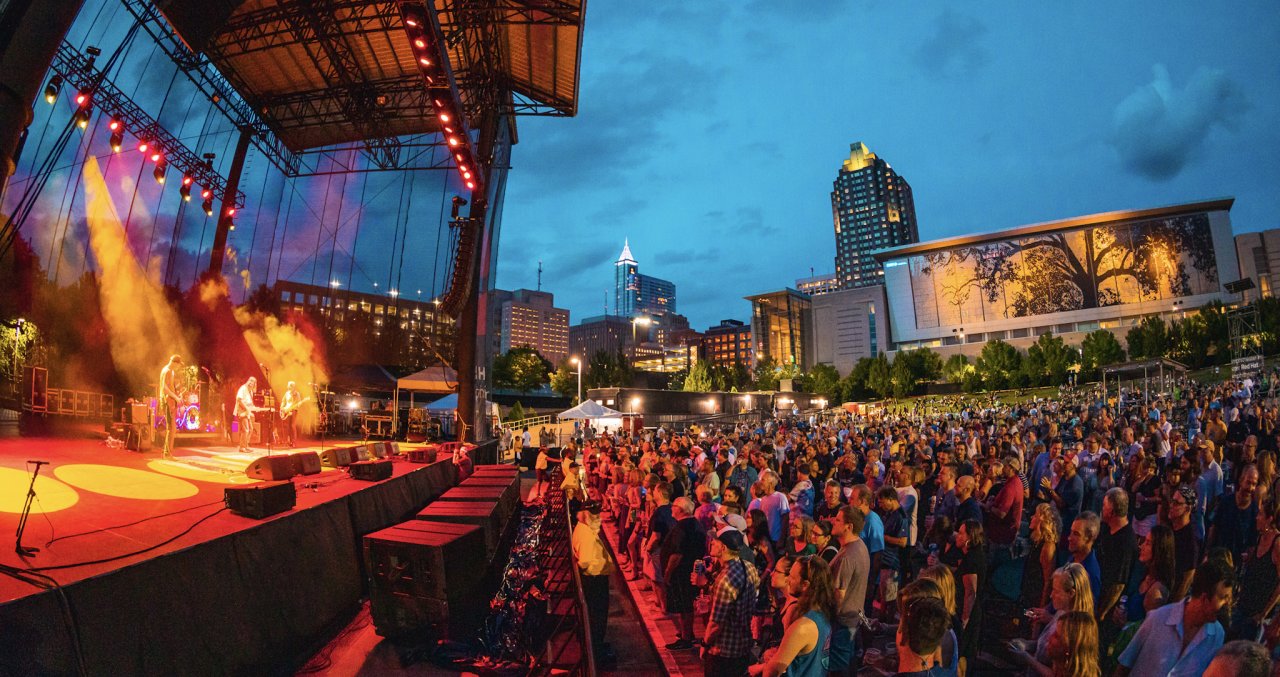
(727, 642)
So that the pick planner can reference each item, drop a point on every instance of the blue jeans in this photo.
(841, 652)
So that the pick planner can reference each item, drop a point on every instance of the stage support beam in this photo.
(218, 255)
(30, 32)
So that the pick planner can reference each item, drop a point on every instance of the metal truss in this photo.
(224, 96)
(78, 71)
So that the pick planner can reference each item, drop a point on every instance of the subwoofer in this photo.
(370, 471)
(261, 500)
(272, 468)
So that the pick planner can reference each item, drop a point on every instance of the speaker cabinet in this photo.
(271, 468)
(361, 452)
(306, 463)
(262, 500)
(336, 458)
(370, 471)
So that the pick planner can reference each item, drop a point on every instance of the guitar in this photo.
(287, 411)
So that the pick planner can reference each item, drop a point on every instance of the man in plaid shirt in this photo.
(727, 644)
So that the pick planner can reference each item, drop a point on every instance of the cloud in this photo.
(1157, 129)
(954, 48)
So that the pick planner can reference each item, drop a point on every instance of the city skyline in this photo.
(998, 116)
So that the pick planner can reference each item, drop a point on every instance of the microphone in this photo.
(38, 463)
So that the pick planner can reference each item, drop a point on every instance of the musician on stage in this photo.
(168, 400)
(289, 412)
(244, 411)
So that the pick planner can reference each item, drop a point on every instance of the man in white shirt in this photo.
(244, 411)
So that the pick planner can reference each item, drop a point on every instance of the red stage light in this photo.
(471, 185)
(156, 155)
(142, 146)
(444, 117)
(206, 194)
(231, 211)
(448, 129)
(410, 22)
(453, 141)
(466, 175)
(424, 61)
(82, 98)
(187, 180)
(115, 124)
(458, 156)
(420, 43)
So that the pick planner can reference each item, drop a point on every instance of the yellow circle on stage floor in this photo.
(189, 472)
(51, 495)
(125, 482)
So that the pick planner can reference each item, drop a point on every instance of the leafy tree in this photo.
(516, 413)
(1099, 348)
(699, 379)
(766, 374)
(1269, 324)
(1149, 339)
(1049, 360)
(823, 379)
(854, 386)
(879, 377)
(740, 376)
(521, 369)
(902, 376)
(998, 364)
(564, 381)
(972, 381)
(608, 370)
(956, 366)
(676, 380)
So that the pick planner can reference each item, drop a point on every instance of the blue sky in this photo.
(709, 132)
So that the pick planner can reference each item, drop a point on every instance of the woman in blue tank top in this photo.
(803, 652)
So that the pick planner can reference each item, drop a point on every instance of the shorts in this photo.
(888, 585)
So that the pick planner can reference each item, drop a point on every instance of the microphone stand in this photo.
(26, 512)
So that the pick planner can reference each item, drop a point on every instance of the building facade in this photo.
(636, 293)
(728, 343)
(1068, 277)
(1258, 255)
(818, 284)
(400, 330)
(610, 333)
(846, 326)
(531, 320)
(778, 322)
(872, 209)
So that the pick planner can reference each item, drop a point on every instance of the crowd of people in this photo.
(1137, 531)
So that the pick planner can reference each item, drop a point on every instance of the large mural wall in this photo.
(1061, 271)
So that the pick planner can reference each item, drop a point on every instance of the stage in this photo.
(161, 579)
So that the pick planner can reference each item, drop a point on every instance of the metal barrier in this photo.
(558, 530)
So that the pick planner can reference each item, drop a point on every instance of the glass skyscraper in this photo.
(872, 209)
(639, 294)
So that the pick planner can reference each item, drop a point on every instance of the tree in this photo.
(902, 376)
(879, 377)
(956, 366)
(608, 370)
(766, 374)
(854, 386)
(1049, 360)
(998, 364)
(521, 369)
(1149, 339)
(564, 381)
(740, 376)
(1099, 349)
(516, 413)
(699, 379)
(676, 380)
(823, 379)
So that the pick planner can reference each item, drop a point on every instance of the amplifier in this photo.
(139, 438)
(370, 471)
(139, 414)
(336, 458)
(306, 463)
(424, 455)
(271, 468)
(261, 500)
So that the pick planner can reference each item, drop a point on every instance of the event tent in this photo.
(437, 380)
(589, 409)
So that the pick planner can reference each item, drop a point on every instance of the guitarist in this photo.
(244, 411)
(289, 406)
(168, 400)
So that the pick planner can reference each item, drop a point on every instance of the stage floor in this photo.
(100, 508)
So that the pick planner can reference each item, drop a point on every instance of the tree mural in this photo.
(1088, 268)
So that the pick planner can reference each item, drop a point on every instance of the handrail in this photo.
(560, 536)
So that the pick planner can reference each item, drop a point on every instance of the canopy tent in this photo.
(588, 410)
(436, 380)
(1159, 366)
(445, 404)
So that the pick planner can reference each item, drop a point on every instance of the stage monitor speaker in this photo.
(306, 463)
(262, 500)
(271, 468)
(370, 471)
(425, 455)
(139, 414)
(362, 452)
(139, 438)
(336, 458)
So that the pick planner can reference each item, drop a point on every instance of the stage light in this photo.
(82, 98)
(471, 185)
(185, 189)
(207, 206)
(231, 211)
(420, 43)
(231, 225)
(424, 61)
(444, 117)
(458, 156)
(117, 140)
(156, 155)
(411, 22)
(206, 194)
(453, 141)
(82, 117)
(466, 175)
(143, 145)
(115, 125)
(51, 90)
(158, 172)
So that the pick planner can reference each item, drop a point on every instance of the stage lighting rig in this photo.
(158, 172)
(51, 89)
(185, 189)
(458, 203)
(207, 206)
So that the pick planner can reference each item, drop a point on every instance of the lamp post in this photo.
(578, 363)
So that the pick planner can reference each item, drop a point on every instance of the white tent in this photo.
(588, 410)
(445, 409)
(436, 380)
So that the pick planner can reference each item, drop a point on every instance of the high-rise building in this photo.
(846, 326)
(872, 209)
(636, 293)
(778, 323)
(1259, 258)
(727, 343)
(608, 333)
(818, 284)
(531, 320)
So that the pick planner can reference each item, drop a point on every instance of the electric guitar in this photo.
(287, 411)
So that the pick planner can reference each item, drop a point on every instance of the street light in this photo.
(578, 363)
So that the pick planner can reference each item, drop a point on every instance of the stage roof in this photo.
(340, 71)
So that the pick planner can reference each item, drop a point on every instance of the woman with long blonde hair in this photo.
(1073, 648)
(1037, 568)
(946, 582)
(1070, 592)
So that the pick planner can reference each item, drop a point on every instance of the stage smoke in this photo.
(144, 328)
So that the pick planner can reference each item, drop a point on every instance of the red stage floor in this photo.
(107, 505)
